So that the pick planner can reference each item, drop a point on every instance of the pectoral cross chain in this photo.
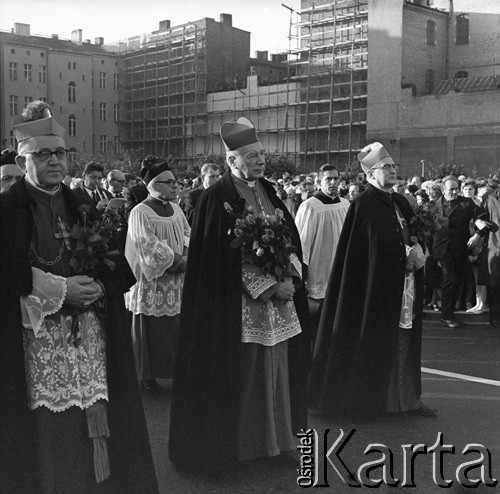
(63, 233)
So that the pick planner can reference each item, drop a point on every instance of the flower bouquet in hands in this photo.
(90, 249)
(422, 226)
(264, 240)
(91, 252)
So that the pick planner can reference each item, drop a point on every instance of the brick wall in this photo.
(418, 56)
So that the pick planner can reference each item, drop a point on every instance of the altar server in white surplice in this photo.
(156, 249)
(319, 220)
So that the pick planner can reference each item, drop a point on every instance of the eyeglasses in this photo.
(167, 182)
(46, 154)
(386, 167)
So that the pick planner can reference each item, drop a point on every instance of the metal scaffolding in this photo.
(331, 62)
(164, 91)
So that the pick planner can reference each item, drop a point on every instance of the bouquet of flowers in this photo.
(264, 240)
(90, 250)
(422, 226)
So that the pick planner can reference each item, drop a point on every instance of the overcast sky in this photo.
(267, 20)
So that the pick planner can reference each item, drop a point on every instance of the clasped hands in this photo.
(415, 258)
(82, 291)
(282, 291)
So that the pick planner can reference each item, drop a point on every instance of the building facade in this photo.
(272, 108)
(434, 83)
(79, 80)
(166, 76)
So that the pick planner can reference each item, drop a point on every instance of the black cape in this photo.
(205, 401)
(131, 462)
(358, 333)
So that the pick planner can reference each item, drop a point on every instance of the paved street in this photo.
(461, 378)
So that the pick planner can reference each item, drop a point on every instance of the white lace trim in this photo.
(60, 375)
(268, 323)
(316, 290)
(69, 404)
(257, 284)
(270, 338)
(47, 298)
(159, 297)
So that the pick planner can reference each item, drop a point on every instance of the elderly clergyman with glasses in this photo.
(367, 354)
(71, 417)
(156, 249)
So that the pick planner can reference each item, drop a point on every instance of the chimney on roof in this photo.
(76, 36)
(261, 55)
(55, 36)
(87, 41)
(99, 41)
(278, 57)
(164, 25)
(226, 19)
(21, 29)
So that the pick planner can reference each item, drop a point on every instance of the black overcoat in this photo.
(131, 463)
(205, 402)
(358, 333)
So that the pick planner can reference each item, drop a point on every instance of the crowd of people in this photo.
(324, 309)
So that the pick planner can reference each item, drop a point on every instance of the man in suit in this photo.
(209, 175)
(91, 193)
(451, 242)
(137, 193)
(116, 181)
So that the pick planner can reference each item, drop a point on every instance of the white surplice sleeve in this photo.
(46, 298)
(306, 225)
(144, 251)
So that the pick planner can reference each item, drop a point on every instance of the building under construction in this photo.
(166, 76)
(331, 57)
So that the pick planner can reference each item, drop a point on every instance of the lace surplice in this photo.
(152, 241)
(58, 374)
(266, 323)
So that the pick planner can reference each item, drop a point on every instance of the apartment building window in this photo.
(104, 143)
(13, 105)
(462, 34)
(116, 81)
(74, 65)
(72, 125)
(28, 72)
(42, 74)
(431, 33)
(116, 112)
(72, 92)
(429, 81)
(28, 52)
(461, 74)
(12, 51)
(27, 100)
(13, 71)
(42, 54)
(102, 112)
(42, 98)
(69, 65)
(102, 80)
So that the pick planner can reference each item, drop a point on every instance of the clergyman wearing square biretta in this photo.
(66, 422)
(242, 362)
(367, 353)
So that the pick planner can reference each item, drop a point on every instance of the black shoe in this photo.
(451, 323)
(151, 385)
(424, 411)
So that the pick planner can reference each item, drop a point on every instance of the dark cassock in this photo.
(367, 354)
(71, 418)
(240, 382)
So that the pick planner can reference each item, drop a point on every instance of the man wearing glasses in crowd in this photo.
(367, 352)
